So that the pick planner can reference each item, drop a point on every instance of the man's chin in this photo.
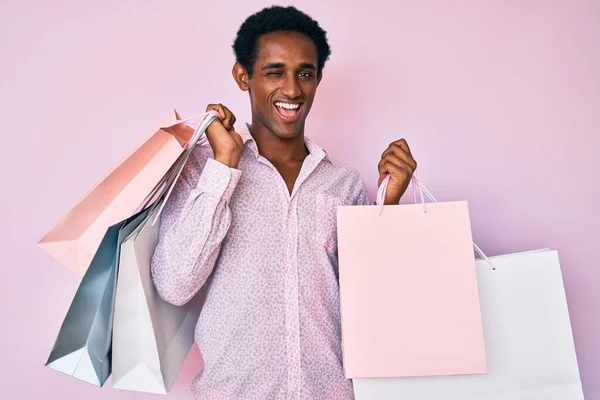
(288, 131)
(287, 135)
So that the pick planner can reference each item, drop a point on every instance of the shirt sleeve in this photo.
(361, 195)
(195, 220)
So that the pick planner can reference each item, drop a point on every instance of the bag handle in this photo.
(190, 125)
(199, 137)
(197, 117)
(422, 190)
(415, 184)
(166, 183)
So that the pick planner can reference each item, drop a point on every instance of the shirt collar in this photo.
(313, 148)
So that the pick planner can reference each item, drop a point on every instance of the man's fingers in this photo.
(401, 153)
(393, 169)
(404, 145)
(399, 161)
(227, 117)
(405, 155)
(219, 108)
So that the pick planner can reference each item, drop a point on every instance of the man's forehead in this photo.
(282, 46)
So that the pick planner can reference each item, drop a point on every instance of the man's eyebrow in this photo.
(308, 66)
(273, 66)
(278, 65)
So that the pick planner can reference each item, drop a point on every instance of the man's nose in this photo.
(291, 88)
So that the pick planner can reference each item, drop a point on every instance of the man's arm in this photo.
(194, 222)
(360, 195)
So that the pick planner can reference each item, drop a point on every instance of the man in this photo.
(252, 220)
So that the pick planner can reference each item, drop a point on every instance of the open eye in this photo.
(305, 74)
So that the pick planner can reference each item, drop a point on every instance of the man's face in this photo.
(284, 82)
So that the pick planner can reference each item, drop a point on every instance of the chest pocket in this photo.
(326, 221)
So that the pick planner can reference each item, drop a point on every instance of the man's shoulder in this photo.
(341, 170)
(344, 181)
(344, 168)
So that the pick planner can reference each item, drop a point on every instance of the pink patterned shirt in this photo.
(270, 326)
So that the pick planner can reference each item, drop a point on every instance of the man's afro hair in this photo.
(273, 19)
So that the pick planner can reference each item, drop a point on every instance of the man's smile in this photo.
(288, 111)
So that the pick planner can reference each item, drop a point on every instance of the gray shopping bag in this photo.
(83, 346)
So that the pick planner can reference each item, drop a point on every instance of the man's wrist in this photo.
(230, 161)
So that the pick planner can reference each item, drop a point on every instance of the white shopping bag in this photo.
(529, 342)
(151, 338)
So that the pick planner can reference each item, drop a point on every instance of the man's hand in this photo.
(397, 160)
(226, 143)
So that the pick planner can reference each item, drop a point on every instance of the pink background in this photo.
(500, 102)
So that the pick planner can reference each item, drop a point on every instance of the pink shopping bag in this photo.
(408, 290)
(74, 240)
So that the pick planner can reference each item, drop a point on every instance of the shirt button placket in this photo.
(292, 303)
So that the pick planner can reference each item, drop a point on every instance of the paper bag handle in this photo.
(422, 190)
(166, 183)
(193, 122)
(415, 185)
(199, 137)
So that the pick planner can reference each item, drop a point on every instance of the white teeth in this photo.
(288, 106)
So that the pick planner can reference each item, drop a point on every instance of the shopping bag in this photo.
(83, 345)
(151, 338)
(530, 350)
(408, 290)
(73, 241)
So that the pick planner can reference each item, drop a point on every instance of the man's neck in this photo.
(277, 150)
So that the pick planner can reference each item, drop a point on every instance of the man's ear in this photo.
(241, 76)
(319, 77)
